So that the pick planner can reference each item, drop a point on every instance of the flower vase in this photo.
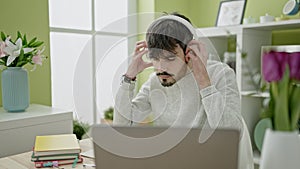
(281, 149)
(15, 91)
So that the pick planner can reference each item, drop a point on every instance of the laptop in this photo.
(117, 147)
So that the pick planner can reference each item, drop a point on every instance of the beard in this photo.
(166, 82)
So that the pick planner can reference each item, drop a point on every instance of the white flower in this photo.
(17, 53)
(14, 50)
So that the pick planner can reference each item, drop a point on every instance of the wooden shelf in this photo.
(255, 94)
(237, 29)
(270, 26)
(249, 39)
(219, 31)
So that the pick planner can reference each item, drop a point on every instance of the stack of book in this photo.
(56, 150)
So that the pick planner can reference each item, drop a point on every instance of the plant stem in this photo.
(294, 106)
(281, 95)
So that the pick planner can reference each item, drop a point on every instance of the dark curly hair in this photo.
(166, 34)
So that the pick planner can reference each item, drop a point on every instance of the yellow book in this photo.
(56, 144)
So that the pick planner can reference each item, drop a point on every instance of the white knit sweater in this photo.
(183, 104)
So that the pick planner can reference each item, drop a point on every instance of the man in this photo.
(186, 89)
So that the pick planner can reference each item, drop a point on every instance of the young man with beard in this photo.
(186, 88)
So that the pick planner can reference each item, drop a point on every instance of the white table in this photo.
(18, 130)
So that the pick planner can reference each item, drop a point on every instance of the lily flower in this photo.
(37, 59)
(17, 53)
(2, 46)
(14, 50)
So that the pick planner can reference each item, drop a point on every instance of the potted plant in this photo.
(281, 143)
(80, 128)
(108, 115)
(14, 54)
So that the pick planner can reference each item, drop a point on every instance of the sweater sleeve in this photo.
(129, 109)
(221, 100)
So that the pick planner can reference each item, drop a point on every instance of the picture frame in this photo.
(231, 12)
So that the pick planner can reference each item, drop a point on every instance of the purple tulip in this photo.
(294, 64)
(274, 65)
(285, 112)
(283, 59)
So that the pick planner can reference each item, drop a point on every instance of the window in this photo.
(89, 50)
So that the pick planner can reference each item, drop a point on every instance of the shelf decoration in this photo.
(281, 69)
(14, 55)
(231, 12)
(291, 7)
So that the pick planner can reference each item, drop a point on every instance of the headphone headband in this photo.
(178, 19)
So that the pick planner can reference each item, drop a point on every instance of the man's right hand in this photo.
(137, 64)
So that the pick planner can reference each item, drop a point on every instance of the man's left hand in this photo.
(197, 56)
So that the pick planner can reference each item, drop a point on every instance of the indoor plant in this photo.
(19, 52)
(14, 54)
(80, 128)
(281, 145)
(108, 115)
(282, 71)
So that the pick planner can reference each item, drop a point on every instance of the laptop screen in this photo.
(163, 148)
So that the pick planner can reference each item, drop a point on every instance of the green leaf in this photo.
(294, 106)
(36, 44)
(4, 59)
(269, 111)
(32, 41)
(80, 128)
(264, 87)
(281, 109)
(244, 55)
(25, 40)
(2, 62)
(19, 35)
(21, 63)
(20, 58)
(3, 36)
(109, 113)
(266, 113)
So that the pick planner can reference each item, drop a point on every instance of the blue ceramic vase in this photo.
(15, 91)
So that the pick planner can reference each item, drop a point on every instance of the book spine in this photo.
(54, 157)
(41, 164)
(55, 163)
